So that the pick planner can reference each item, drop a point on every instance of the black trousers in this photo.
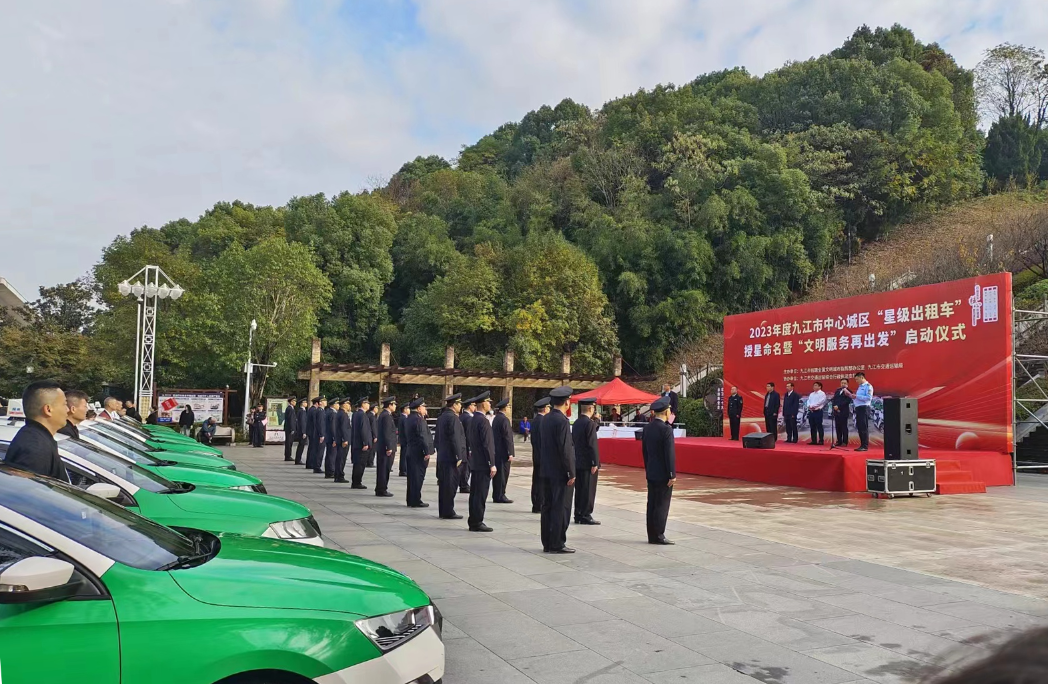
(289, 440)
(499, 482)
(313, 454)
(735, 422)
(370, 454)
(791, 428)
(585, 493)
(416, 476)
(815, 422)
(862, 425)
(840, 421)
(302, 443)
(329, 458)
(659, 494)
(447, 487)
(463, 478)
(554, 521)
(536, 486)
(771, 425)
(359, 459)
(383, 464)
(403, 463)
(478, 495)
(340, 462)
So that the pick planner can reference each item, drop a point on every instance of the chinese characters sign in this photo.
(949, 345)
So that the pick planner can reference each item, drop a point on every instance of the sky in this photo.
(115, 114)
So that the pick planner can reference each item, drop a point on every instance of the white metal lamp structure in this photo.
(148, 294)
(248, 368)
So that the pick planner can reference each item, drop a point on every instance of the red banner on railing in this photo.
(949, 345)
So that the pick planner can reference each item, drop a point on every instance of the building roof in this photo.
(10, 298)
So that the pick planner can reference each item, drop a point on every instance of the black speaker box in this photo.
(758, 440)
(900, 428)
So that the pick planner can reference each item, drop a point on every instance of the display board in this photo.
(275, 420)
(949, 345)
(205, 405)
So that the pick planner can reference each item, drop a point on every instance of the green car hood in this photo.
(298, 576)
(224, 503)
(184, 447)
(209, 477)
(197, 460)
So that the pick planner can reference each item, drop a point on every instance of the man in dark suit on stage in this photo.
(791, 406)
(771, 410)
(735, 412)
(841, 403)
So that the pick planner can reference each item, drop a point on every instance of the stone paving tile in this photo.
(679, 594)
(908, 616)
(903, 640)
(657, 617)
(872, 662)
(510, 634)
(564, 578)
(554, 607)
(575, 667)
(637, 649)
(988, 615)
(784, 631)
(705, 674)
(470, 663)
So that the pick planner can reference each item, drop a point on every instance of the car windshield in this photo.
(117, 430)
(98, 524)
(131, 472)
(124, 447)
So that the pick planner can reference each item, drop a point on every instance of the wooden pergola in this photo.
(507, 379)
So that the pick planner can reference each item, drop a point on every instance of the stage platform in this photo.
(805, 466)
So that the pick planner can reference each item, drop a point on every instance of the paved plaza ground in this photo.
(765, 584)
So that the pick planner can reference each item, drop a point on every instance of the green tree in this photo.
(1013, 150)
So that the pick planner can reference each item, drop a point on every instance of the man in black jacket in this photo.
(481, 462)
(469, 406)
(342, 434)
(660, 468)
(791, 406)
(362, 441)
(402, 439)
(34, 447)
(290, 426)
(841, 403)
(385, 446)
(301, 431)
(331, 445)
(309, 428)
(131, 412)
(502, 430)
(76, 402)
(371, 413)
(771, 410)
(451, 452)
(735, 412)
(541, 409)
(419, 449)
(320, 434)
(558, 473)
(587, 461)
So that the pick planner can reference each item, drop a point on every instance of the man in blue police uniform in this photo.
(558, 473)
(735, 413)
(863, 398)
(660, 468)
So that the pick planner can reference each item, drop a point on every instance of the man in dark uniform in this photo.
(419, 449)
(841, 403)
(34, 447)
(343, 433)
(290, 426)
(587, 461)
(660, 468)
(451, 451)
(320, 434)
(771, 411)
(362, 441)
(791, 405)
(330, 417)
(76, 402)
(385, 446)
(502, 431)
(481, 462)
(541, 409)
(258, 427)
(371, 413)
(735, 412)
(302, 433)
(558, 473)
(309, 429)
(469, 406)
(402, 438)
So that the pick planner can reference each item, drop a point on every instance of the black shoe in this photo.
(341, 480)
(589, 521)
(563, 549)
(328, 476)
(545, 549)
(403, 475)
(863, 449)
(419, 505)
(298, 463)
(661, 542)
(287, 459)
(317, 471)
(480, 528)
(453, 516)
(503, 501)
(384, 494)
(358, 485)
(463, 491)
(536, 510)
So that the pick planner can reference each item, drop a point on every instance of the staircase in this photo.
(678, 388)
(951, 479)
(1032, 447)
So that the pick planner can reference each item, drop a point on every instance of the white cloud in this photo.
(119, 113)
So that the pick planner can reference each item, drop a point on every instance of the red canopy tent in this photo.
(617, 392)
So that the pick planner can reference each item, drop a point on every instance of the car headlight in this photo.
(395, 629)
(292, 529)
(244, 488)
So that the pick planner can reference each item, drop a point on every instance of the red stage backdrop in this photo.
(948, 345)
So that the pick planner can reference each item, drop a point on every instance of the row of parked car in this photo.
(161, 562)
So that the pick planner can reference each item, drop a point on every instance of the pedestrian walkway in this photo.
(764, 584)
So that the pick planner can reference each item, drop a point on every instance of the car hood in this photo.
(192, 459)
(224, 503)
(267, 573)
(206, 476)
(186, 447)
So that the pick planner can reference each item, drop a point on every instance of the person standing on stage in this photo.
(385, 446)
(481, 462)
(451, 452)
(330, 444)
(419, 449)
(841, 410)
(863, 398)
(816, 404)
(735, 412)
(791, 405)
(660, 468)
(372, 415)
(469, 406)
(558, 472)
(771, 411)
(502, 430)
(541, 409)
(342, 434)
(301, 431)
(587, 461)
(402, 438)
(362, 440)
(290, 426)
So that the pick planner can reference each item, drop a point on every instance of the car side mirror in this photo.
(37, 580)
(105, 490)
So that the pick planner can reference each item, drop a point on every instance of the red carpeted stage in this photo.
(810, 467)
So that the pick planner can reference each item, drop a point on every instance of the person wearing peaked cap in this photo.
(451, 452)
(402, 438)
(318, 436)
(302, 431)
(309, 431)
(558, 473)
(340, 437)
(660, 469)
(360, 444)
(587, 461)
(468, 407)
(481, 463)
(453, 399)
(502, 431)
(385, 446)
(419, 449)
(331, 443)
(372, 416)
(290, 426)
(541, 409)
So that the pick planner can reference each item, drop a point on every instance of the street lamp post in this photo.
(147, 294)
(248, 368)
